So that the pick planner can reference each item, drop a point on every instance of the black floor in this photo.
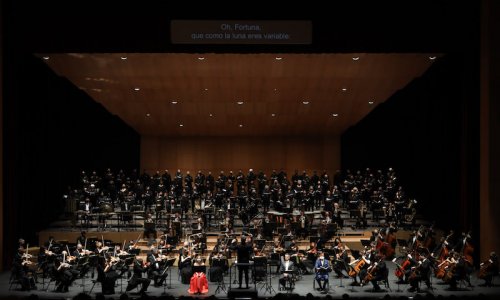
(303, 287)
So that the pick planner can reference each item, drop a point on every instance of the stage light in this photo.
(305, 102)
(181, 125)
(344, 89)
(174, 102)
(46, 57)
(335, 115)
(123, 58)
(240, 102)
(432, 57)
(137, 89)
(355, 58)
(279, 58)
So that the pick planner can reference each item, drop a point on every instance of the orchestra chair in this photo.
(385, 280)
(327, 286)
(292, 278)
(14, 280)
(53, 277)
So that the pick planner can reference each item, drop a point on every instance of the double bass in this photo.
(468, 250)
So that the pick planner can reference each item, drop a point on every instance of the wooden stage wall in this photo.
(234, 153)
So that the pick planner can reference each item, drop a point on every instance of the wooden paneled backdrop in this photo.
(234, 153)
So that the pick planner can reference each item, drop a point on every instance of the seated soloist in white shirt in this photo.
(286, 266)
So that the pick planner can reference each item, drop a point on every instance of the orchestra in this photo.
(277, 215)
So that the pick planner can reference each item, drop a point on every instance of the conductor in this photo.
(243, 251)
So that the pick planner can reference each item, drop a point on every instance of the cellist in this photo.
(488, 269)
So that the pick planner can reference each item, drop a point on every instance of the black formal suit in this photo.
(137, 278)
(243, 251)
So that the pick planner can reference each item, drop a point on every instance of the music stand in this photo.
(402, 244)
(251, 265)
(168, 264)
(253, 231)
(365, 243)
(221, 286)
(260, 243)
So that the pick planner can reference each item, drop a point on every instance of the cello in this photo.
(401, 269)
(354, 270)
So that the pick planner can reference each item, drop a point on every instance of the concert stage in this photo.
(303, 287)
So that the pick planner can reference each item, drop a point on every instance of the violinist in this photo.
(488, 269)
(65, 274)
(49, 243)
(110, 275)
(20, 269)
(136, 279)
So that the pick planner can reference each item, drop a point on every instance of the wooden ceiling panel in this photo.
(204, 84)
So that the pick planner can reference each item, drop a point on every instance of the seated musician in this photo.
(421, 272)
(21, 271)
(458, 272)
(379, 273)
(309, 259)
(341, 261)
(286, 267)
(66, 274)
(136, 279)
(322, 268)
(368, 256)
(488, 269)
(79, 255)
(100, 248)
(157, 264)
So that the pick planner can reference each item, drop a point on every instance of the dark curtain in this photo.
(53, 130)
(428, 132)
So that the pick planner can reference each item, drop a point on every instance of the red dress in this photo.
(199, 283)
